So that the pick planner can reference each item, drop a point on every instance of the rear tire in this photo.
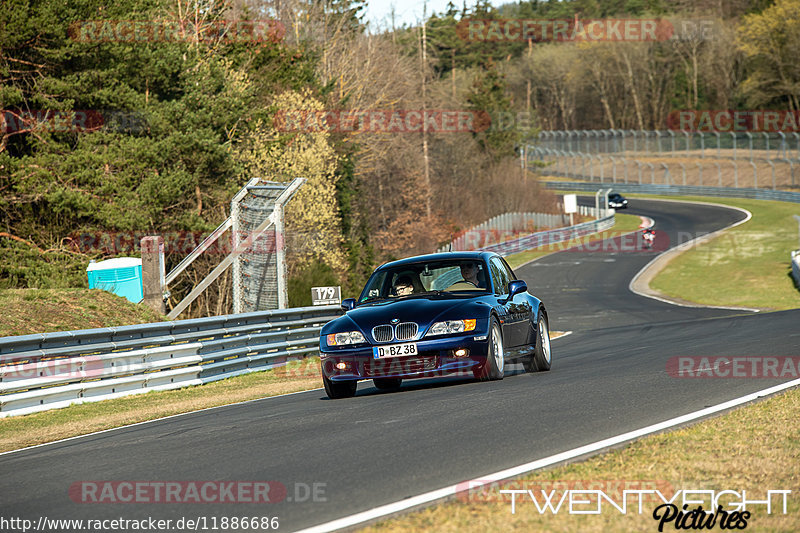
(494, 367)
(341, 389)
(387, 383)
(541, 358)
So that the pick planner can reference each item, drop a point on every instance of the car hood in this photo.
(422, 310)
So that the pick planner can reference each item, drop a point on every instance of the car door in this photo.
(509, 310)
(520, 306)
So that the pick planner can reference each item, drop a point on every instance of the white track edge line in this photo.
(429, 497)
(154, 420)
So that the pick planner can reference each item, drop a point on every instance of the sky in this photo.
(409, 11)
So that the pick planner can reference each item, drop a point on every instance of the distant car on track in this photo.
(451, 313)
(617, 201)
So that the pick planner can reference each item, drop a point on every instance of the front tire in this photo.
(494, 367)
(542, 356)
(387, 384)
(341, 389)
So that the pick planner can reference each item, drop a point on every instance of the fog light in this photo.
(341, 366)
(461, 352)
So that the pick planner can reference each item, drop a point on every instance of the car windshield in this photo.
(409, 280)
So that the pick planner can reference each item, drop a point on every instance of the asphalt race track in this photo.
(608, 378)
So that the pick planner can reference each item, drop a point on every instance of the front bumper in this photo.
(435, 357)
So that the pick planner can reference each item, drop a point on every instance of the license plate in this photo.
(394, 350)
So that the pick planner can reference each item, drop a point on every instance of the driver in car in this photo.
(403, 286)
(469, 271)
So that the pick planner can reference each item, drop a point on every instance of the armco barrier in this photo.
(676, 190)
(542, 238)
(52, 370)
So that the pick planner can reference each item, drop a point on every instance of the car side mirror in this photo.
(515, 287)
(348, 304)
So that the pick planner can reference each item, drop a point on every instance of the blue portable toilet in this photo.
(121, 275)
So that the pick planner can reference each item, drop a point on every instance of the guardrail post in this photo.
(702, 145)
(613, 168)
(772, 164)
(153, 273)
(687, 141)
(625, 160)
(601, 169)
(797, 142)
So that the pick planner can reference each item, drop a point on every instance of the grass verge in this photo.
(623, 224)
(746, 266)
(27, 311)
(753, 448)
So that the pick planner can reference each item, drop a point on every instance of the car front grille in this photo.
(383, 333)
(406, 331)
(398, 365)
(401, 332)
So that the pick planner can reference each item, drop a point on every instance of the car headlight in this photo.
(350, 337)
(452, 326)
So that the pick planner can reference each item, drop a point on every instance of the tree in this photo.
(771, 45)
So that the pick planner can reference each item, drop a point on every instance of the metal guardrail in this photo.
(542, 238)
(678, 190)
(502, 227)
(52, 370)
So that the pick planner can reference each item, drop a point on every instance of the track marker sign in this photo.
(571, 207)
(326, 295)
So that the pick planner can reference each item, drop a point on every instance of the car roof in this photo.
(483, 256)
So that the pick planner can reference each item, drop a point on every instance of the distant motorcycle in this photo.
(649, 237)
